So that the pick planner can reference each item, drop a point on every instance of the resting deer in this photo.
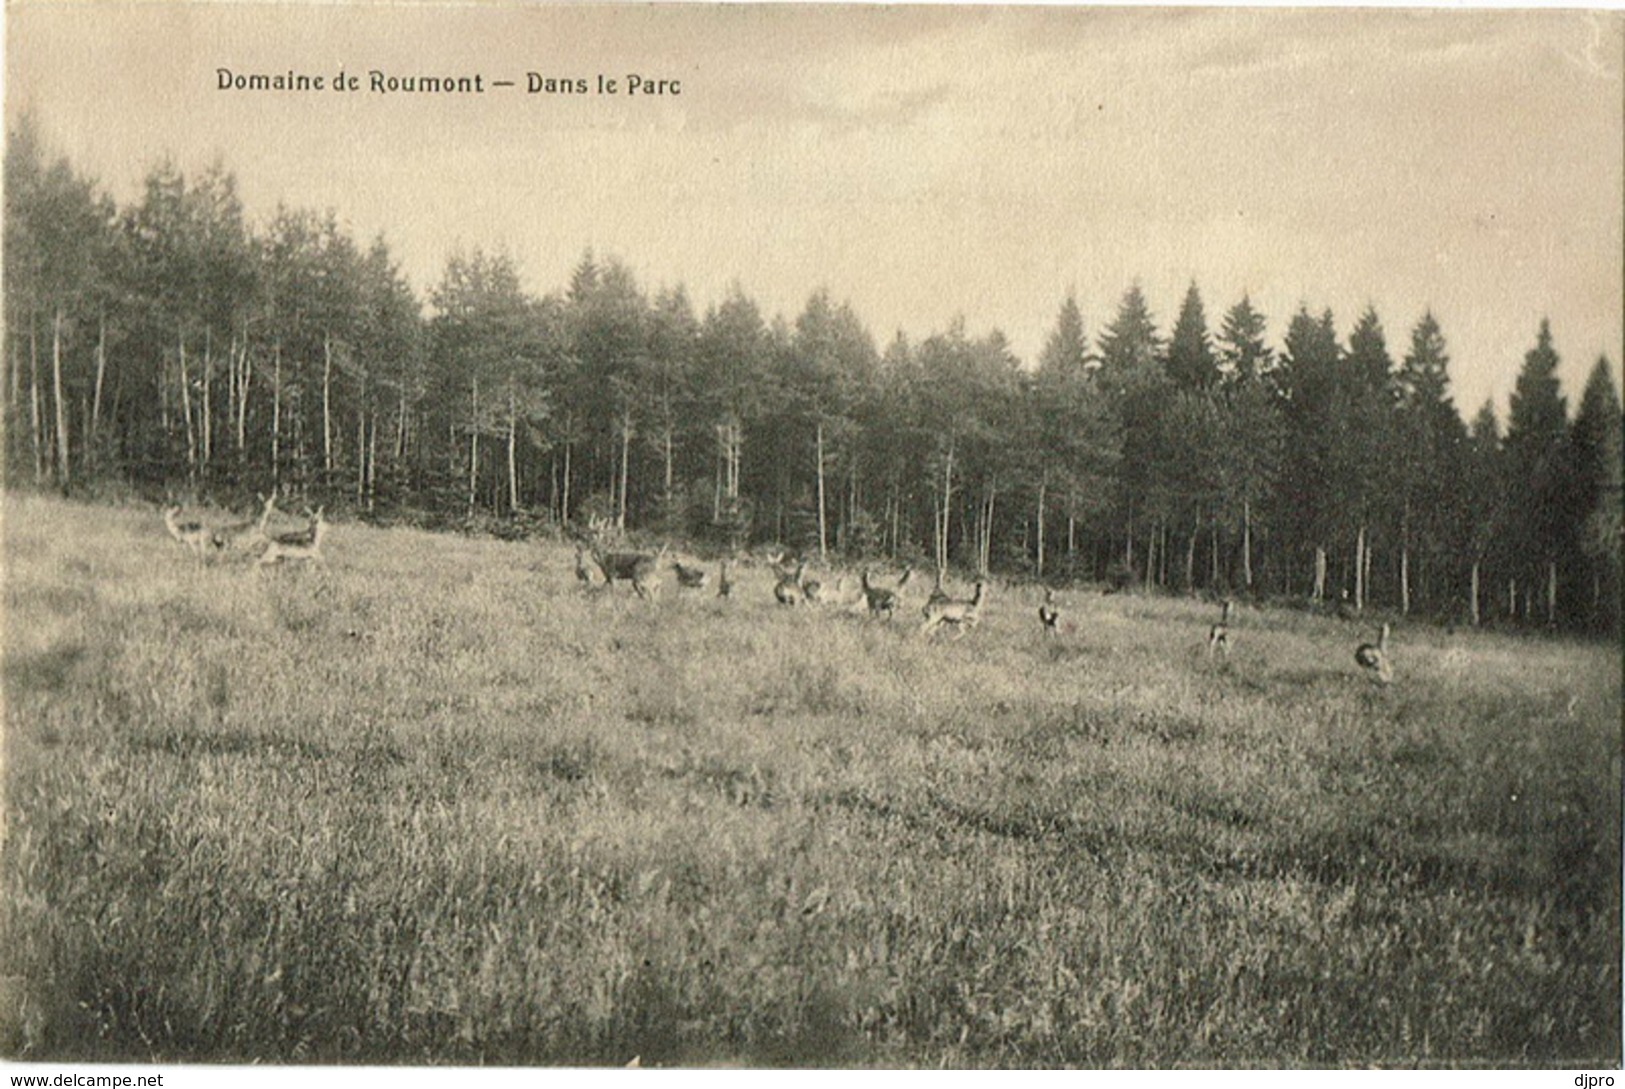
(958, 612)
(191, 533)
(239, 536)
(691, 578)
(300, 545)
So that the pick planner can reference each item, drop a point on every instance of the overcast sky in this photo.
(919, 162)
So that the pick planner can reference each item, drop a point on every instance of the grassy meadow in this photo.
(437, 803)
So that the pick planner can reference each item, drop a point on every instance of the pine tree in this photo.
(1191, 361)
(1537, 532)
(1431, 446)
(1595, 452)
(1136, 383)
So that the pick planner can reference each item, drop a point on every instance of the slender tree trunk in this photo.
(564, 494)
(716, 494)
(14, 388)
(1043, 484)
(1551, 592)
(1473, 600)
(93, 436)
(1359, 570)
(1247, 543)
(513, 451)
(57, 321)
(626, 458)
(327, 407)
(245, 380)
(1213, 552)
(1366, 577)
(1190, 556)
(208, 396)
(276, 412)
(1150, 560)
(36, 402)
(473, 445)
(946, 510)
(400, 427)
(372, 460)
(985, 560)
(896, 516)
(186, 410)
(361, 448)
(823, 530)
(1512, 598)
(1071, 536)
(1405, 579)
(671, 476)
(1320, 573)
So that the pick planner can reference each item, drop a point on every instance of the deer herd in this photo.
(642, 569)
(296, 545)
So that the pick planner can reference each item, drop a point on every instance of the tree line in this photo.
(172, 345)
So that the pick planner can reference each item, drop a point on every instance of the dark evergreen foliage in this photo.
(178, 347)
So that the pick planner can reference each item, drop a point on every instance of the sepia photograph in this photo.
(810, 536)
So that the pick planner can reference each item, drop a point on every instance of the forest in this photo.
(175, 348)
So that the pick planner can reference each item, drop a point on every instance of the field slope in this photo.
(439, 804)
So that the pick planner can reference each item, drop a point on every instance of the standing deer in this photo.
(959, 613)
(641, 569)
(788, 590)
(1218, 636)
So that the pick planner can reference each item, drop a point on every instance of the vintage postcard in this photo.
(807, 536)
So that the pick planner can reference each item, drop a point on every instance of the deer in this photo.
(1049, 614)
(303, 545)
(1218, 636)
(583, 572)
(789, 590)
(882, 601)
(960, 613)
(238, 536)
(191, 533)
(1375, 659)
(641, 569)
(691, 578)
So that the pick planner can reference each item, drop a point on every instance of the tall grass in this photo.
(437, 804)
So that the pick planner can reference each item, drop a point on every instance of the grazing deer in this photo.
(1218, 636)
(1049, 614)
(302, 545)
(691, 578)
(191, 533)
(960, 613)
(725, 588)
(1374, 658)
(238, 536)
(881, 600)
(788, 589)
